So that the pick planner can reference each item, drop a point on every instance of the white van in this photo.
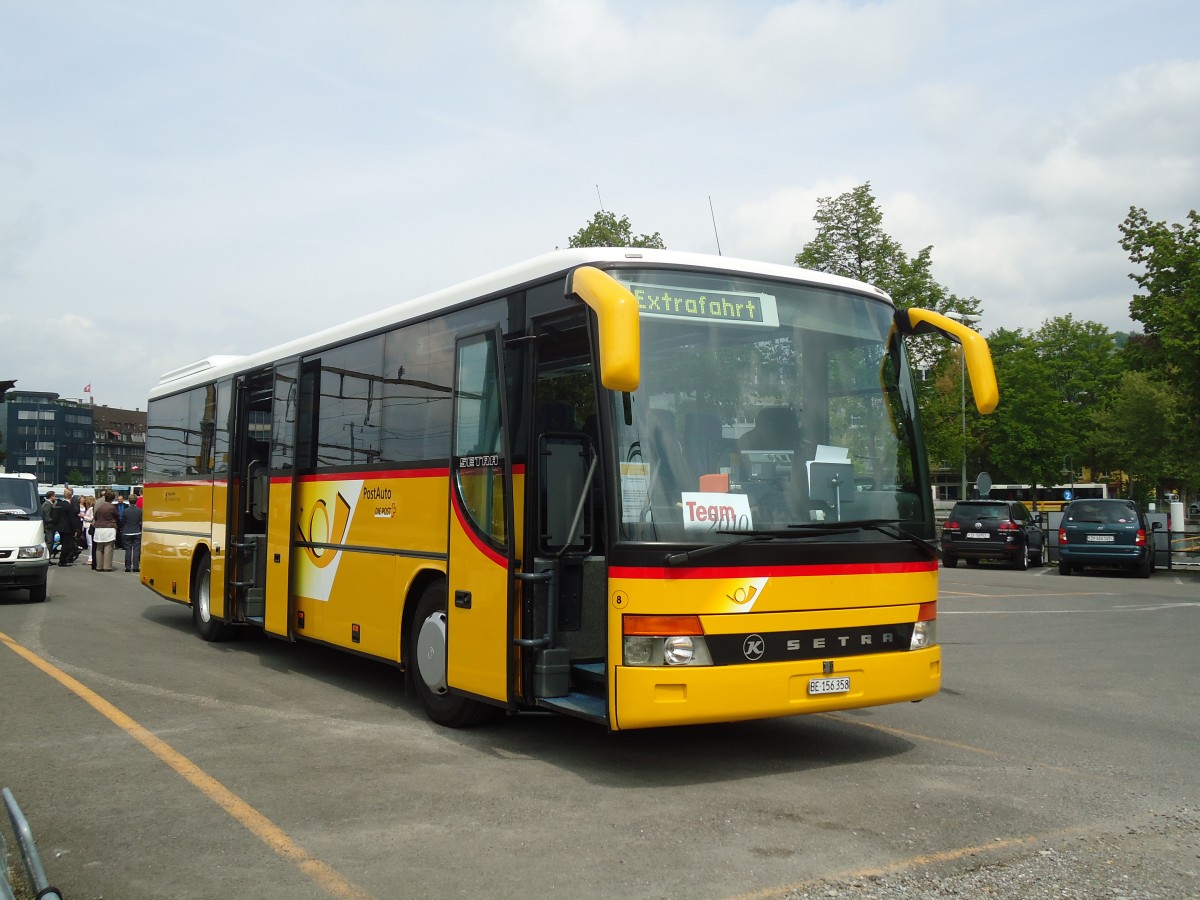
(24, 559)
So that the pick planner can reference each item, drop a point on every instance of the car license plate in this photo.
(1101, 538)
(829, 685)
(978, 535)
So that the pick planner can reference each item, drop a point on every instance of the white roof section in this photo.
(520, 274)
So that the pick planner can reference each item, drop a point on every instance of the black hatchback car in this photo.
(993, 529)
(1105, 533)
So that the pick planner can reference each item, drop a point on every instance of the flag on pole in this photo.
(87, 389)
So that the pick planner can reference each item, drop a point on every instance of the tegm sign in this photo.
(716, 512)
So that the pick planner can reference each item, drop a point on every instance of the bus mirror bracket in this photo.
(617, 320)
(975, 350)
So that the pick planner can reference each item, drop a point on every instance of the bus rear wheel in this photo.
(427, 665)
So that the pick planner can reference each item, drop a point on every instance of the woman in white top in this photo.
(86, 514)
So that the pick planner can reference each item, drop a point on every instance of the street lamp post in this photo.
(966, 319)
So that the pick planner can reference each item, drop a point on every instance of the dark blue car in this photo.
(1105, 533)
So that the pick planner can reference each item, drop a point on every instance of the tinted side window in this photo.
(348, 431)
(417, 393)
(180, 435)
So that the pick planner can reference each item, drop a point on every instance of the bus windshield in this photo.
(764, 405)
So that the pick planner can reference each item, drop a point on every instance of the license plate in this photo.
(978, 535)
(829, 685)
(1101, 538)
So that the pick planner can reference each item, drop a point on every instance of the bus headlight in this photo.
(664, 641)
(924, 635)
(673, 650)
(639, 651)
(678, 651)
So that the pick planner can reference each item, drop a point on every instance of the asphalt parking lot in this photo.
(152, 764)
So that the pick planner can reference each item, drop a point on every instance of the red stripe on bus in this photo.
(669, 574)
(469, 530)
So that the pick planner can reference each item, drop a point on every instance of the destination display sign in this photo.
(658, 301)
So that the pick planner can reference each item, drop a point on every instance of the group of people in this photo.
(83, 523)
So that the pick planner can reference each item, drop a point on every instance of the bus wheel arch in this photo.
(208, 626)
(426, 661)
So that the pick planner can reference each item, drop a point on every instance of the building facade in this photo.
(70, 442)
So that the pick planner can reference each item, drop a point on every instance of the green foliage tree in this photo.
(850, 241)
(1168, 306)
(1052, 380)
(606, 230)
(1136, 431)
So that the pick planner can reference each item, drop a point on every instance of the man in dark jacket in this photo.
(131, 533)
(48, 520)
(67, 522)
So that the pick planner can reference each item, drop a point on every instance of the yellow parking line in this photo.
(258, 824)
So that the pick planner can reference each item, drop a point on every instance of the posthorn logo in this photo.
(754, 647)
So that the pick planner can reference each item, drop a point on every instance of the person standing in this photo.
(106, 518)
(131, 534)
(86, 514)
(67, 523)
(48, 520)
(72, 500)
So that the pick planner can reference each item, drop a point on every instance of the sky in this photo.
(179, 180)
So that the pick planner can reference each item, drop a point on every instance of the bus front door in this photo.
(259, 515)
(480, 595)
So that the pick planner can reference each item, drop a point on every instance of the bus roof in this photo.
(495, 283)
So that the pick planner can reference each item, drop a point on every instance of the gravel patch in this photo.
(1156, 860)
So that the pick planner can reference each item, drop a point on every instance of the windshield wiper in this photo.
(678, 559)
(889, 527)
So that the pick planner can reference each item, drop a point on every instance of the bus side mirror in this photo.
(975, 350)
(618, 323)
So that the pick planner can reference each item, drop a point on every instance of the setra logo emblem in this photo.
(754, 647)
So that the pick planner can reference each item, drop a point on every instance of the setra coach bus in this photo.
(640, 487)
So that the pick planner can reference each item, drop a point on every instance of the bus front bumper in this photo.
(654, 696)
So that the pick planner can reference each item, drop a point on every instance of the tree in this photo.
(1168, 306)
(1137, 431)
(850, 241)
(1052, 380)
(606, 230)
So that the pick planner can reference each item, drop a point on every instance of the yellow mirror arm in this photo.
(975, 351)
(617, 319)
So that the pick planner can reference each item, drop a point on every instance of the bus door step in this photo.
(589, 674)
(582, 706)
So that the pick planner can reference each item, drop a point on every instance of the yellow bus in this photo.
(639, 487)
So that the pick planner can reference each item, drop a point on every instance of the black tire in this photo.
(1147, 567)
(1040, 556)
(427, 665)
(949, 560)
(1064, 568)
(208, 626)
(972, 564)
(1021, 560)
(37, 593)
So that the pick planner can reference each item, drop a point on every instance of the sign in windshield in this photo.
(657, 301)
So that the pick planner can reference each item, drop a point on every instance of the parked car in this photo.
(993, 529)
(1105, 533)
(24, 559)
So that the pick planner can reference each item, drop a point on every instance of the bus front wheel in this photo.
(209, 626)
(427, 665)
